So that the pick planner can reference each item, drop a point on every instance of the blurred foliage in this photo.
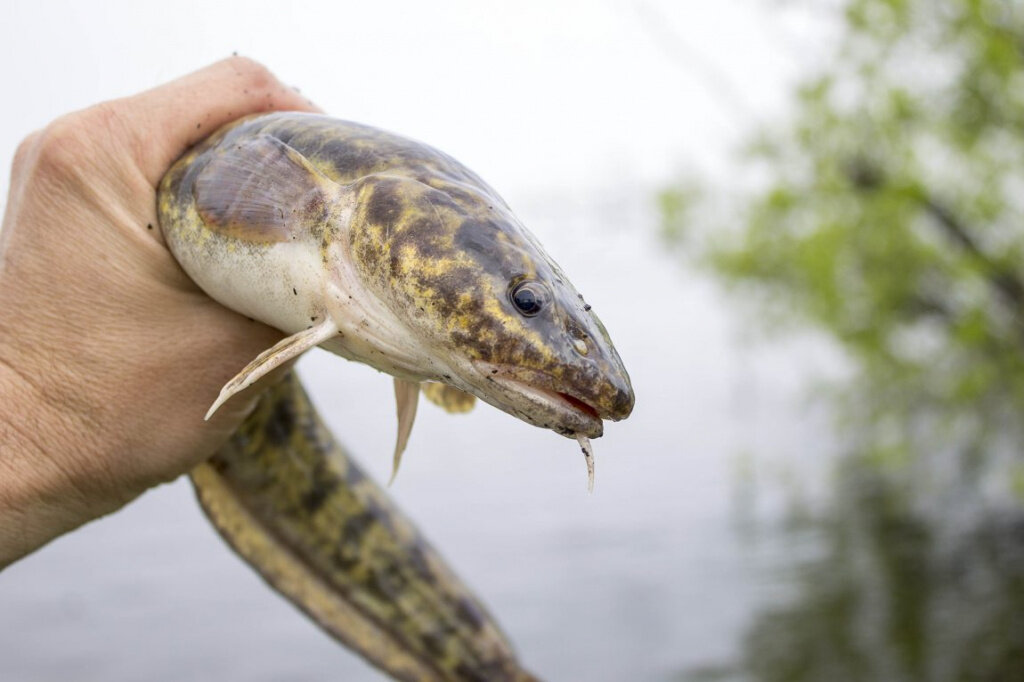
(891, 215)
(888, 212)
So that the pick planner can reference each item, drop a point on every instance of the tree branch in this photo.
(1007, 284)
(868, 177)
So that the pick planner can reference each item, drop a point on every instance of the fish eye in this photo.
(528, 298)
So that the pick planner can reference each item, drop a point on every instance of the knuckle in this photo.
(63, 146)
(68, 145)
(257, 75)
(23, 153)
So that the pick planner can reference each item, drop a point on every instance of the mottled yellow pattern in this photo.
(436, 246)
(293, 504)
(433, 238)
(451, 399)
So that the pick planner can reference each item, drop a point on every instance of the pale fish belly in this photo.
(280, 284)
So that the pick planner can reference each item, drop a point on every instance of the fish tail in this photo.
(289, 501)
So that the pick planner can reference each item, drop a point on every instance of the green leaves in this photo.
(894, 216)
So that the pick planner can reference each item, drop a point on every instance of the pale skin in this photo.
(109, 354)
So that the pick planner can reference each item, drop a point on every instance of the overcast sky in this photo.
(535, 96)
(549, 102)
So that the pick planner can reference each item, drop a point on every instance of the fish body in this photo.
(289, 499)
(295, 219)
(388, 252)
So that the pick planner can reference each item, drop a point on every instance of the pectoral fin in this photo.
(283, 351)
(407, 396)
(448, 397)
(259, 190)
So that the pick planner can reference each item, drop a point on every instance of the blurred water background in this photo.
(734, 532)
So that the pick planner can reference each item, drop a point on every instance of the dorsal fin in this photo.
(259, 190)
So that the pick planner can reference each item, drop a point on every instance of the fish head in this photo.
(495, 314)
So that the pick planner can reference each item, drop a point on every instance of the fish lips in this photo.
(540, 399)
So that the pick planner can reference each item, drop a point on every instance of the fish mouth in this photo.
(535, 397)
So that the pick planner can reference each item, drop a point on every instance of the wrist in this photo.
(38, 500)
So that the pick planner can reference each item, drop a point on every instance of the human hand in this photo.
(109, 354)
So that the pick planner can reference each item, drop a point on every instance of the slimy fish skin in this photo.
(388, 252)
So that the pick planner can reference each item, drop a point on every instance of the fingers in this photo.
(171, 118)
